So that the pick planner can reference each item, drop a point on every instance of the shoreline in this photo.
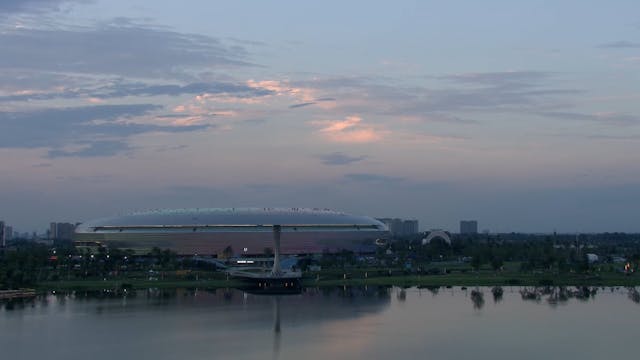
(400, 281)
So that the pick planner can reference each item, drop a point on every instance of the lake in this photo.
(325, 323)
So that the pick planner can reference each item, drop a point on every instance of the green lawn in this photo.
(134, 284)
(357, 278)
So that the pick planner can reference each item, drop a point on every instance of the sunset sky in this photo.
(524, 115)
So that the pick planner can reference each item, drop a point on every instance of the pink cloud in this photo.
(283, 88)
(340, 125)
(357, 136)
(187, 121)
(26, 92)
(349, 130)
(277, 90)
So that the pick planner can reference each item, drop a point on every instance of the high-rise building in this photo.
(61, 231)
(468, 227)
(410, 227)
(3, 241)
(8, 233)
(53, 231)
(399, 227)
(65, 231)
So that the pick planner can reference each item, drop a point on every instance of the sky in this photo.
(521, 115)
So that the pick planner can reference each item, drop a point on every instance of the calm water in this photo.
(351, 323)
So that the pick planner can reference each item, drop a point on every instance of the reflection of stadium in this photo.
(235, 231)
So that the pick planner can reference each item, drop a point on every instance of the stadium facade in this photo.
(244, 231)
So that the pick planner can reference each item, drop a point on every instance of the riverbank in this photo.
(486, 280)
(468, 279)
(17, 294)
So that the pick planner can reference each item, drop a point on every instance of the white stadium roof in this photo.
(233, 219)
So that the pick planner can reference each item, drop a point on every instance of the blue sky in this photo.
(522, 115)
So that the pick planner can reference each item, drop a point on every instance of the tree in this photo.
(227, 252)
(476, 262)
(496, 263)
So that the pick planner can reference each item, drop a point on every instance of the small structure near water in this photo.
(276, 280)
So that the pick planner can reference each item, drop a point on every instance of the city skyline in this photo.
(520, 116)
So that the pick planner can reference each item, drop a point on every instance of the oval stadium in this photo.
(235, 231)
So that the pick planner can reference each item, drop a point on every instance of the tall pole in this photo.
(276, 271)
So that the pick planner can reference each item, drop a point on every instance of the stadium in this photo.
(235, 231)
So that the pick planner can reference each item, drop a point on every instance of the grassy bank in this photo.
(484, 280)
(134, 284)
(331, 279)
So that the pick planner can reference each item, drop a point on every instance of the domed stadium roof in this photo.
(248, 219)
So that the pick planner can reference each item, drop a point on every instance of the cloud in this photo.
(295, 106)
(165, 148)
(372, 178)
(94, 149)
(123, 48)
(350, 130)
(439, 118)
(498, 78)
(607, 118)
(120, 90)
(254, 122)
(338, 158)
(614, 137)
(99, 130)
(17, 6)
(509, 91)
(427, 138)
(240, 90)
(25, 82)
(285, 88)
(55, 126)
(120, 129)
(91, 179)
(620, 45)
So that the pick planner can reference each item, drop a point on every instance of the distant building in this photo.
(399, 227)
(410, 227)
(3, 240)
(8, 234)
(468, 227)
(61, 231)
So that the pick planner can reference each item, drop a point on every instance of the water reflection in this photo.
(402, 295)
(497, 292)
(477, 297)
(103, 300)
(432, 289)
(276, 326)
(315, 323)
(558, 295)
